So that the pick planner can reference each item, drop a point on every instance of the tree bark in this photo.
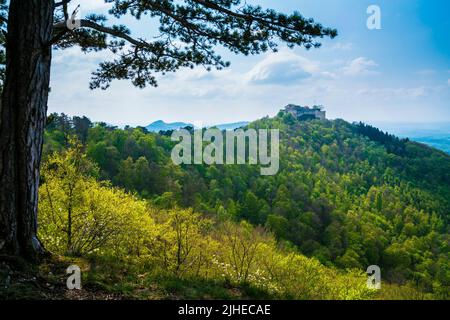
(23, 111)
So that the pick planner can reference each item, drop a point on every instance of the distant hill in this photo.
(160, 125)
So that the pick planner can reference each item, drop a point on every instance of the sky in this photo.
(399, 73)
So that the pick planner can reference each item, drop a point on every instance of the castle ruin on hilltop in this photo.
(306, 113)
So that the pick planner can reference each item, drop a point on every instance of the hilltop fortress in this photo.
(306, 113)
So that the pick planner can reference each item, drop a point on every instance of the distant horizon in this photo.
(141, 124)
(361, 75)
(435, 134)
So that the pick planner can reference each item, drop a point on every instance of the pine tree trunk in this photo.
(22, 119)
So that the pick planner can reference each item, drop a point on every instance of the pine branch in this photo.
(84, 23)
(189, 31)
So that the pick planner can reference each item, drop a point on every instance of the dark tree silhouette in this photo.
(392, 143)
(189, 30)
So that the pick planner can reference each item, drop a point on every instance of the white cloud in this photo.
(448, 82)
(282, 68)
(360, 66)
(74, 56)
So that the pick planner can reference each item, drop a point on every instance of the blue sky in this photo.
(400, 73)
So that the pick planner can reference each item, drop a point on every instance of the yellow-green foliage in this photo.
(252, 256)
(79, 215)
(181, 244)
(406, 292)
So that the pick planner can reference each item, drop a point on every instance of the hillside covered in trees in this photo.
(347, 196)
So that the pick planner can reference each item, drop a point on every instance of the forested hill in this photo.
(347, 194)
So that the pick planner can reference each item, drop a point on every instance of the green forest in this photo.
(347, 196)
